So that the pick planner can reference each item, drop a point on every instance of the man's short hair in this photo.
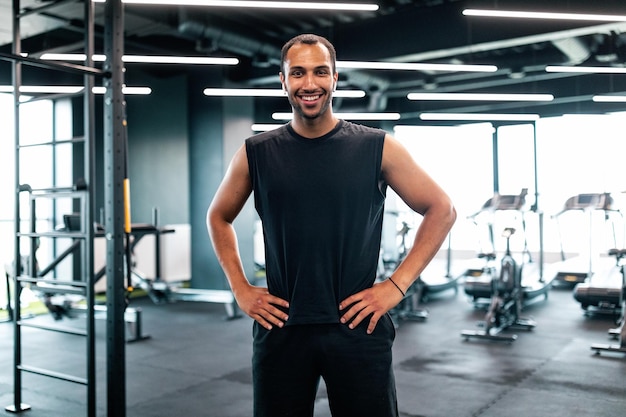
(309, 39)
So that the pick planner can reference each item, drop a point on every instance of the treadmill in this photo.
(602, 293)
(580, 269)
(477, 283)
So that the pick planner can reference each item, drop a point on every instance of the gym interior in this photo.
(112, 301)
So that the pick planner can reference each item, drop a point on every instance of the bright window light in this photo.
(589, 70)
(544, 15)
(347, 116)
(257, 4)
(151, 59)
(480, 97)
(411, 66)
(609, 99)
(266, 92)
(479, 116)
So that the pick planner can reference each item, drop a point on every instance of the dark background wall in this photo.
(177, 158)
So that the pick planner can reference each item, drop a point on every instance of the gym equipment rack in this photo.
(82, 195)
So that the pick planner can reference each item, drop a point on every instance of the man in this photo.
(319, 188)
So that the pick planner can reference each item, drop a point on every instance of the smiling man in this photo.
(319, 187)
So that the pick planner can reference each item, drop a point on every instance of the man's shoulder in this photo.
(357, 127)
(267, 135)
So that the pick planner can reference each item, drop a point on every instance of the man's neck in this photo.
(314, 128)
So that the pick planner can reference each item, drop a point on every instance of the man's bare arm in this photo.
(229, 199)
(418, 190)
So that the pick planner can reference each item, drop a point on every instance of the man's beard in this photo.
(297, 108)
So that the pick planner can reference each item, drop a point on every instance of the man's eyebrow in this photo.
(319, 67)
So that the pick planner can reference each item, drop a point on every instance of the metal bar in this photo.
(17, 405)
(89, 133)
(496, 161)
(57, 329)
(73, 68)
(59, 259)
(114, 148)
(50, 96)
(58, 142)
(57, 375)
(33, 10)
(72, 235)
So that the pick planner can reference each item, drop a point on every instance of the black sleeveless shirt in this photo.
(321, 204)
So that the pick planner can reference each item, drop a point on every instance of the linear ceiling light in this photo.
(589, 70)
(413, 66)
(347, 116)
(480, 97)
(151, 59)
(479, 116)
(609, 99)
(43, 89)
(266, 92)
(257, 4)
(264, 127)
(71, 89)
(142, 91)
(544, 15)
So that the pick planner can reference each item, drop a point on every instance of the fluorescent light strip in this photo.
(43, 89)
(266, 92)
(609, 99)
(411, 66)
(264, 127)
(589, 70)
(152, 59)
(126, 90)
(70, 89)
(257, 4)
(480, 97)
(347, 116)
(517, 14)
(479, 116)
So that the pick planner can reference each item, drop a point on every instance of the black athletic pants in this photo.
(288, 363)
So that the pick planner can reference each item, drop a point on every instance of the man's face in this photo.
(308, 79)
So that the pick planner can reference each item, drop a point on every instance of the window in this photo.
(575, 155)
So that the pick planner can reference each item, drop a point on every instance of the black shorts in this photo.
(288, 363)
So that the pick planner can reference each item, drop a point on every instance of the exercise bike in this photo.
(506, 301)
(408, 308)
(620, 332)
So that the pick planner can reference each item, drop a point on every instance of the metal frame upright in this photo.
(115, 204)
(114, 140)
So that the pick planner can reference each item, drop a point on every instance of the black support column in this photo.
(114, 165)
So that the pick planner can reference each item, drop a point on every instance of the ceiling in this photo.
(433, 31)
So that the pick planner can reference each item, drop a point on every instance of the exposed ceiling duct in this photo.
(574, 49)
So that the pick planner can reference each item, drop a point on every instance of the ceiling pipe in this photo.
(233, 42)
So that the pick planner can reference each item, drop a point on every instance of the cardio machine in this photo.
(409, 308)
(580, 269)
(620, 332)
(602, 293)
(478, 280)
(507, 296)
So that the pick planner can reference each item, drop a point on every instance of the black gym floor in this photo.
(196, 363)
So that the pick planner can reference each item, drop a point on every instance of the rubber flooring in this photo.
(197, 363)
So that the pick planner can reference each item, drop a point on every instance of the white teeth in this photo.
(310, 98)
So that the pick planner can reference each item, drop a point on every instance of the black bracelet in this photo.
(393, 282)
